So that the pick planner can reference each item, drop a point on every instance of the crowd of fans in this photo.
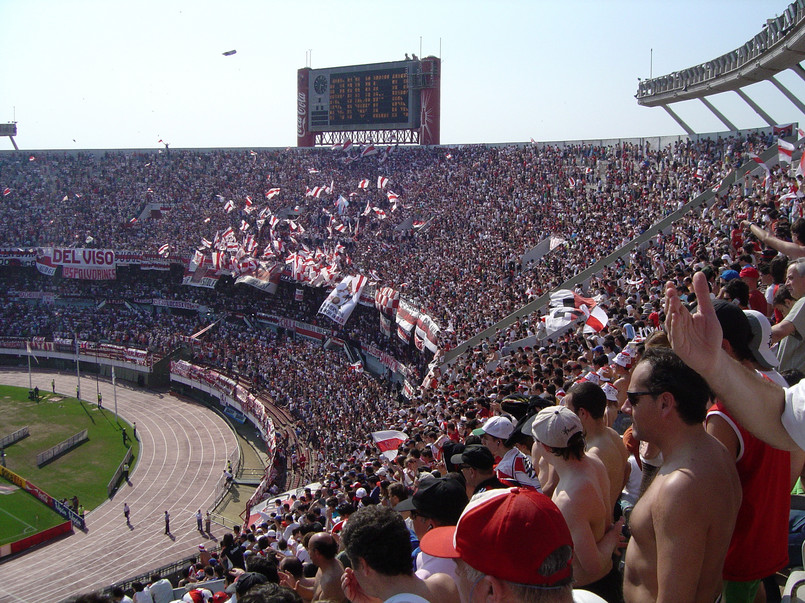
(486, 206)
(475, 202)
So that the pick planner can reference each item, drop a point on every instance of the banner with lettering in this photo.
(79, 263)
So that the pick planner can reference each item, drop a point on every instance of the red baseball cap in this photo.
(507, 533)
(749, 272)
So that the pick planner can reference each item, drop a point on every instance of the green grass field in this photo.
(83, 471)
(23, 515)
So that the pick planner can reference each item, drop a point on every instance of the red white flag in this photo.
(165, 249)
(388, 441)
(363, 184)
(272, 192)
(382, 181)
(230, 206)
(597, 319)
(6, 192)
(785, 150)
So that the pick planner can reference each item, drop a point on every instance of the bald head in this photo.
(324, 544)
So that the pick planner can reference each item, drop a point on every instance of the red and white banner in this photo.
(385, 325)
(407, 316)
(44, 264)
(80, 263)
(428, 331)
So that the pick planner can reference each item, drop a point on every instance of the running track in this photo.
(183, 451)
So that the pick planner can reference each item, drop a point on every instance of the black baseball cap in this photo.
(442, 498)
(477, 457)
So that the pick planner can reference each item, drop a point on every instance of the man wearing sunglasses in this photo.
(681, 527)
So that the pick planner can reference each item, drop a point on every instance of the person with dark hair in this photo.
(119, 596)
(589, 402)
(270, 593)
(266, 566)
(582, 495)
(681, 527)
(737, 292)
(513, 466)
(379, 548)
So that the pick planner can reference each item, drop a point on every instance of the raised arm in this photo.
(756, 403)
(788, 248)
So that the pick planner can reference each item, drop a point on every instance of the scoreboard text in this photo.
(364, 96)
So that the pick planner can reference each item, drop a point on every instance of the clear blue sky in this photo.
(114, 74)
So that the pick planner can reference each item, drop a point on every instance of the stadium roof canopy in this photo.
(779, 46)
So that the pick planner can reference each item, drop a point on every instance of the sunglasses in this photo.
(634, 397)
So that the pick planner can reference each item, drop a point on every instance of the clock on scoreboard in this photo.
(364, 97)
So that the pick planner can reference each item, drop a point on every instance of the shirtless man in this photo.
(681, 527)
(589, 402)
(582, 495)
(379, 545)
(322, 549)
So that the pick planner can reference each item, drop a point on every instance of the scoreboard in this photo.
(363, 97)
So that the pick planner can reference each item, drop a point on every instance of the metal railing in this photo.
(14, 437)
(112, 485)
(775, 30)
(61, 448)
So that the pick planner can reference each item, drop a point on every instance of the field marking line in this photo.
(18, 519)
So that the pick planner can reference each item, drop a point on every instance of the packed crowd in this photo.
(502, 200)
(472, 421)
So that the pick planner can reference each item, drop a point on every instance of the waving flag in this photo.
(568, 299)
(382, 181)
(560, 317)
(363, 184)
(272, 192)
(6, 192)
(785, 150)
(597, 319)
(389, 441)
(165, 249)
(392, 197)
(229, 207)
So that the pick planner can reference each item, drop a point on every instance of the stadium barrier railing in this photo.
(112, 485)
(62, 447)
(14, 437)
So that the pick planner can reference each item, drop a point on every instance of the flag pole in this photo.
(77, 370)
(114, 389)
(30, 380)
